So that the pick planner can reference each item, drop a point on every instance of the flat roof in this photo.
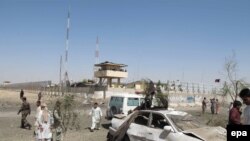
(107, 63)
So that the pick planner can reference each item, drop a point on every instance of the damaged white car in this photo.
(151, 125)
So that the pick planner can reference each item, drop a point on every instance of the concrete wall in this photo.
(184, 99)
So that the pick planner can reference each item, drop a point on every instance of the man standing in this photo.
(235, 113)
(96, 114)
(21, 94)
(204, 105)
(39, 96)
(25, 110)
(58, 121)
(44, 120)
(217, 106)
(212, 105)
(38, 110)
(245, 96)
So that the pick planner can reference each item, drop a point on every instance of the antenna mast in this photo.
(96, 57)
(66, 77)
(60, 74)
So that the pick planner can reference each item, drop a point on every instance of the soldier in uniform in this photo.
(25, 110)
(58, 121)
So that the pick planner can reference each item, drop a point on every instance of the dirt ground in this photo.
(10, 121)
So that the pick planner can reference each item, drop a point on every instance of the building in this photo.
(109, 71)
(5, 83)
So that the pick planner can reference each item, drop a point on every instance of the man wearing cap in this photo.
(245, 96)
(96, 114)
(25, 110)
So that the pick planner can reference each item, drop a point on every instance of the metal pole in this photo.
(60, 75)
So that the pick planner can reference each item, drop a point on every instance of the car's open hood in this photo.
(208, 133)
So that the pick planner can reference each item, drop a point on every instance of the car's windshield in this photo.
(184, 122)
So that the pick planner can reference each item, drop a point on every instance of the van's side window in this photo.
(133, 102)
(116, 101)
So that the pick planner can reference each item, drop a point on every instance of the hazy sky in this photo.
(186, 40)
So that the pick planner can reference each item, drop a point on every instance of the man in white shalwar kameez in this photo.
(96, 114)
(38, 110)
(44, 133)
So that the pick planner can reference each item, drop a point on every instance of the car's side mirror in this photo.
(168, 128)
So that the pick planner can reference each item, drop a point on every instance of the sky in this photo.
(185, 40)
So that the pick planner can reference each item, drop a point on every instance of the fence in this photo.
(46, 88)
(190, 88)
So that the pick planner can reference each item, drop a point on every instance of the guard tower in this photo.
(109, 71)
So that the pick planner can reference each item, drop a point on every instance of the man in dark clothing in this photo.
(25, 110)
(204, 105)
(21, 94)
(58, 125)
(235, 113)
(39, 96)
(212, 105)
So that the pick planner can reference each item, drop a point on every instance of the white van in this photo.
(123, 103)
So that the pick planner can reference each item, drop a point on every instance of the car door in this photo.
(139, 128)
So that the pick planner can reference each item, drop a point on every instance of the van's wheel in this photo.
(113, 111)
(126, 138)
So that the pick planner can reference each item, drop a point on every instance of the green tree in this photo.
(70, 116)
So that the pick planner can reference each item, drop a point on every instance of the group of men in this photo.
(45, 121)
(236, 112)
(214, 105)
